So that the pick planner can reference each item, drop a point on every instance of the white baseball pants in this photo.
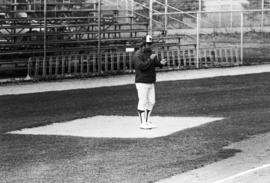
(146, 95)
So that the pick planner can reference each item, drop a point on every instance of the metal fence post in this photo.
(29, 65)
(36, 67)
(150, 17)
(45, 39)
(219, 15)
(242, 39)
(231, 14)
(262, 18)
(198, 39)
(99, 37)
(166, 16)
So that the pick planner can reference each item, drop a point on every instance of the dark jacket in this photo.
(145, 67)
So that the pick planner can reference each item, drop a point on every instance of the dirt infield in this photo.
(243, 102)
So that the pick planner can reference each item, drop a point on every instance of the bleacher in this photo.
(68, 27)
(68, 24)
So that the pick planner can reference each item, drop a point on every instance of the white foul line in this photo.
(243, 173)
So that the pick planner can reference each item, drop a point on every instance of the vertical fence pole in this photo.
(99, 36)
(178, 58)
(132, 17)
(242, 38)
(112, 61)
(262, 18)
(82, 64)
(231, 56)
(203, 58)
(125, 62)
(150, 17)
(88, 64)
(45, 39)
(130, 62)
(50, 66)
(118, 61)
(69, 64)
(36, 66)
(189, 55)
(231, 13)
(56, 66)
(94, 63)
(226, 56)
(106, 62)
(168, 58)
(63, 66)
(95, 7)
(75, 64)
(29, 65)
(173, 59)
(166, 16)
(215, 57)
(198, 39)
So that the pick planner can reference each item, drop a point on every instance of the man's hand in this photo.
(153, 56)
(163, 61)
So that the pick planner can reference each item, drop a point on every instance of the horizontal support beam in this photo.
(217, 11)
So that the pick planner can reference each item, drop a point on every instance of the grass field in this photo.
(243, 101)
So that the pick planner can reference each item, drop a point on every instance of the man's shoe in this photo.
(149, 123)
(145, 126)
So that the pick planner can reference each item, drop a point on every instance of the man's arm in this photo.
(141, 63)
(158, 62)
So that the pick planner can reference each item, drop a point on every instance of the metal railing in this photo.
(121, 62)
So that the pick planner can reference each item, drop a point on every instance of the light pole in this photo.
(242, 39)
(166, 16)
(198, 34)
(99, 36)
(45, 39)
(150, 17)
(231, 14)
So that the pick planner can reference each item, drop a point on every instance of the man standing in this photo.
(145, 62)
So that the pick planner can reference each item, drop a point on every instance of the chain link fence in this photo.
(230, 24)
(205, 33)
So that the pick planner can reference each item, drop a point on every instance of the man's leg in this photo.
(151, 98)
(142, 96)
(141, 115)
